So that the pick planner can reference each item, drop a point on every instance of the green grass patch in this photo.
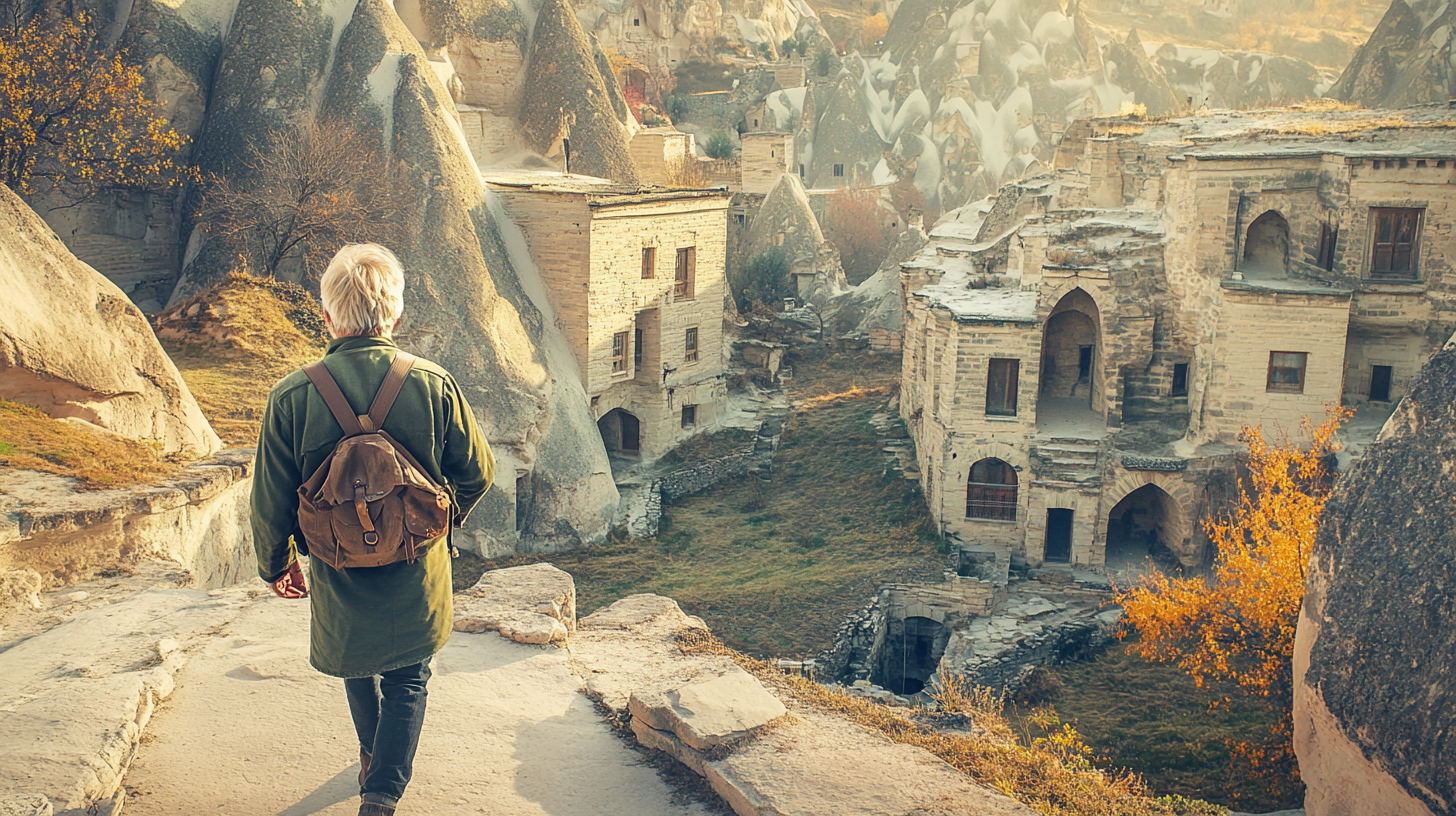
(775, 567)
(1152, 719)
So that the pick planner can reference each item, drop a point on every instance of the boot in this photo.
(375, 809)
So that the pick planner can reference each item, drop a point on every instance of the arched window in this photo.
(991, 491)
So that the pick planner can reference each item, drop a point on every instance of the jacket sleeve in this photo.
(276, 478)
(467, 462)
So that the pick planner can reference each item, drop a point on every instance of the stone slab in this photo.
(533, 604)
(713, 709)
(26, 805)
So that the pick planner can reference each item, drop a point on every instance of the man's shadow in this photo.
(341, 788)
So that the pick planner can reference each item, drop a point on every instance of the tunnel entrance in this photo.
(911, 652)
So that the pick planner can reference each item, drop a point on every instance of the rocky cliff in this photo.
(468, 302)
(1406, 61)
(1375, 656)
(72, 344)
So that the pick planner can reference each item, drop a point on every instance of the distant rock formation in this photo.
(1406, 61)
(784, 220)
(72, 344)
(1375, 657)
(566, 92)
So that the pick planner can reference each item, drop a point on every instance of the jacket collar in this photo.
(353, 343)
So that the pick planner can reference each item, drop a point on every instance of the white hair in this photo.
(363, 290)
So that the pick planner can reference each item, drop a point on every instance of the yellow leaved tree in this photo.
(1238, 625)
(75, 117)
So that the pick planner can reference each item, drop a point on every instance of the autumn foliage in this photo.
(1239, 625)
(75, 117)
(854, 221)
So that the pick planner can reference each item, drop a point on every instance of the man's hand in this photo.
(292, 584)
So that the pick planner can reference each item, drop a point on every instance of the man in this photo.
(376, 627)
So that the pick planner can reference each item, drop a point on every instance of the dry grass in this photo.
(707, 447)
(1325, 105)
(31, 440)
(1153, 719)
(1040, 775)
(1125, 130)
(244, 335)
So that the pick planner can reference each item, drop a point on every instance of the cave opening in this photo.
(910, 654)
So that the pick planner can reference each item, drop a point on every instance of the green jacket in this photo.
(367, 620)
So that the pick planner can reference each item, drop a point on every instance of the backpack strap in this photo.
(328, 388)
(389, 389)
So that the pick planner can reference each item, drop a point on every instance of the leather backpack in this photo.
(370, 503)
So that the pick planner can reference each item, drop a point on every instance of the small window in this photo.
(637, 344)
(1394, 236)
(636, 21)
(689, 416)
(619, 353)
(755, 123)
(649, 263)
(801, 171)
(1380, 377)
(839, 171)
(1286, 371)
(1420, 164)
(739, 216)
(991, 491)
(690, 345)
(772, 154)
(1001, 387)
(1328, 236)
(1180, 379)
(682, 276)
(523, 500)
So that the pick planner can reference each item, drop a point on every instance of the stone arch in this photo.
(966, 458)
(992, 489)
(1177, 532)
(621, 431)
(1266, 244)
(1072, 354)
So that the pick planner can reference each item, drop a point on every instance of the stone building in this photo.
(1082, 350)
(636, 276)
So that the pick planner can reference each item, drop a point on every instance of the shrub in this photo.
(676, 106)
(719, 146)
(766, 278)
(1039, 688)
(821, 62)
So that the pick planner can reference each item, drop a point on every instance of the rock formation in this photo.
(468, 302)
(1375, 656)
(74, 346)
(784, 220)
(566, 93)
(1406, 61)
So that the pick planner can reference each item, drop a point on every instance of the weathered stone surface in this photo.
(535, 603)
(77, 697)
(713, 709)
(74, 346)
(473, 301)
(25, 806)
(53, 534)
(1406, 61)
(1375, 656)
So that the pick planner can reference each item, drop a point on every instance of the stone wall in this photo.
(654, 149)
(492, 71)
(766, 156)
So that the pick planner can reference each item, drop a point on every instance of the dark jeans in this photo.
(388, 712)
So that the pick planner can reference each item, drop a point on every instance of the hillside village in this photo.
(844, 363)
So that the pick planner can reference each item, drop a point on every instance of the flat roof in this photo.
(989, 305)
(1423, 131)
(598, 191)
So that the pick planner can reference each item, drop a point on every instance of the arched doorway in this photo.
(1144, 522)
(1071, 359)
(991, 491)
(621, 431)
(1266, 245)
(911, 653)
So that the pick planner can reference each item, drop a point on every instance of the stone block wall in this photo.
(654, 149)
(766, 156)
(492, 72)
(131, 238)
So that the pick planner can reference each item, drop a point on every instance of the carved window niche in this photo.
(1286, 372)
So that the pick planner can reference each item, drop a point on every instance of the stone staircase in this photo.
(1071, 459)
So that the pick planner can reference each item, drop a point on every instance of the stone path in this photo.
(251, 730)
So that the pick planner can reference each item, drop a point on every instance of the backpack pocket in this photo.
(426, 514)
(359, 547)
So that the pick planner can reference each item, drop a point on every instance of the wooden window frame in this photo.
(620, 343)
(1412, 271)
(639, 336)
(992, 501)
(1287, 388)
(649, 263)
(683, 273)
(1011, 370)
(690, 344)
